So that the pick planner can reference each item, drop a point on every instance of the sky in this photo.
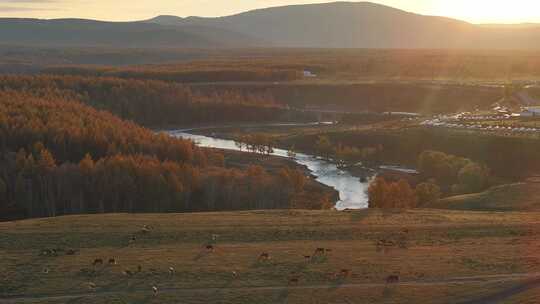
(474, 11)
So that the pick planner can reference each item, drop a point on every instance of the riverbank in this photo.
(284, 137)
(352, 191)
(314, 191)
(360, 171)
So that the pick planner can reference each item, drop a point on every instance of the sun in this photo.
(489, 11)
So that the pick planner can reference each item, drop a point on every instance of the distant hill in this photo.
(340, 24)
(361, 25)
(329, 25)
(80, 32)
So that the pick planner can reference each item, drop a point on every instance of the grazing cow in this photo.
(45, 270)
(171, 271)
(265, 256)
(215, 237)
(98, 262)
(71, 252)
(112, 261)
(345, 273)
(319, 251)
(234, 274)
(132, 239)
(146, 229)
(210, 248)
(49, 252)
(393, 279)
(155, 290)
(139, 268)
(307, 257)
(294, 280)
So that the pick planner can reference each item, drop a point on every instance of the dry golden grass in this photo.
(440, 257)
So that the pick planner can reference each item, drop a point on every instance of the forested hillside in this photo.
(58, 156)
(152, 103)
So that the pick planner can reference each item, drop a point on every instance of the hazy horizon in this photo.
(479, 11)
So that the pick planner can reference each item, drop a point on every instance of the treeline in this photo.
(342, 64)
(62, 157)
(180, 73)
(441, 174)
(152, 103)
(39, 186)
(458, 175)
(399, 194)
(383, 96)
(510, 158)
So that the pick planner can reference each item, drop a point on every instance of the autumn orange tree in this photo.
(149, 102)
(391, 195)
(58, 156)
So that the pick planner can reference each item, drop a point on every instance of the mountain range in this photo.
(329, 25)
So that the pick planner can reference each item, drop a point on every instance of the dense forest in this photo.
(328, 64)
(58, 156)
(420, 97)
(179, 73)
(154, 103)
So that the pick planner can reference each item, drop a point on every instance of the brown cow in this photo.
(392, 279)
(98, 261)
(265, 256)
(294, 280)
(210, 248)
(320, 251)
(345, 273)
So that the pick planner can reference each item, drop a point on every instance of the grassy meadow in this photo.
(438, 256)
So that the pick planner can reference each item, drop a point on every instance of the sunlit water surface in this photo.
(352, 192)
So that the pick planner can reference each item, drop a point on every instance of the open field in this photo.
(439, 256)
(511, 197)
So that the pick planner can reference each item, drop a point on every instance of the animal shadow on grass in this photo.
(388, 292)
(336, 284)
(339, 279)
(283, 296)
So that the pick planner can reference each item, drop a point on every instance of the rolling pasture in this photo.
(369, 256)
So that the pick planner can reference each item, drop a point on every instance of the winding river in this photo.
(352, 192)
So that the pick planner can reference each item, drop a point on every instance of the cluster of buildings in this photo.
(530, 111)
